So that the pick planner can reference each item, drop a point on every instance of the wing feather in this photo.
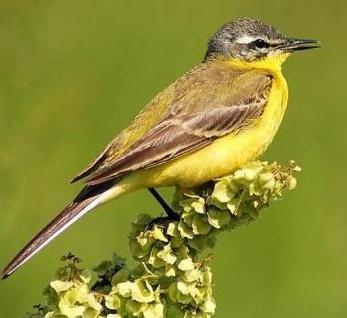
(206, 103)
(177, 135)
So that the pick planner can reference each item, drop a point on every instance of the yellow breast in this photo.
(227, 153)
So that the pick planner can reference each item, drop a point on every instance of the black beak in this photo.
(292, 45)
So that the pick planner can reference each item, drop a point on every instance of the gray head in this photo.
(250, 39)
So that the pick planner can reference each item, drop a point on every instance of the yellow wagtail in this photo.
(209, 122)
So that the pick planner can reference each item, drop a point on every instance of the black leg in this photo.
(172, 215)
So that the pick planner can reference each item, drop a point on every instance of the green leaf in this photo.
(200, 226)
(174, 312)
(103, 267)
(121, 276)
(185, 231)
(218, 218)
(173, 292)
(134, 308)
(184, 299)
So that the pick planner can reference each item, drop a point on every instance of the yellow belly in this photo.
(224, 155)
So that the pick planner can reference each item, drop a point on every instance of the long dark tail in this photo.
(87, 200)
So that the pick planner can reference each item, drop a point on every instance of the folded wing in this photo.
(186, 129)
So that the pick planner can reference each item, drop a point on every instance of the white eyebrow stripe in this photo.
(245, 39)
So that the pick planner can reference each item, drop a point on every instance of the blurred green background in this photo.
(73, 73)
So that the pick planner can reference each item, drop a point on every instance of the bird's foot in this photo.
(171, 214)
(166, 207)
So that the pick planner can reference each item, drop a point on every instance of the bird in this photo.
(216, 117)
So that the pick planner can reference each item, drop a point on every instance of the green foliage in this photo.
(173, 277)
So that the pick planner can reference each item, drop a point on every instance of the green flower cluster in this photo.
(172, 278)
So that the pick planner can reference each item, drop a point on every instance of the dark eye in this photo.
(260, 44)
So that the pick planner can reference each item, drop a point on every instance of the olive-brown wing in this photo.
(182, 132)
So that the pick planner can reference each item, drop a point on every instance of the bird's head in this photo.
(251, 40)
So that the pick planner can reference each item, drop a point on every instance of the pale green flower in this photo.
(112, 301)
(61, 286)
(158, 234)
(167, 255)
(124, 289)
(186, 264)
(198, 205)
(209, 305)
(192, 275)
(154, 311)
(142, 291)
(172, 277)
